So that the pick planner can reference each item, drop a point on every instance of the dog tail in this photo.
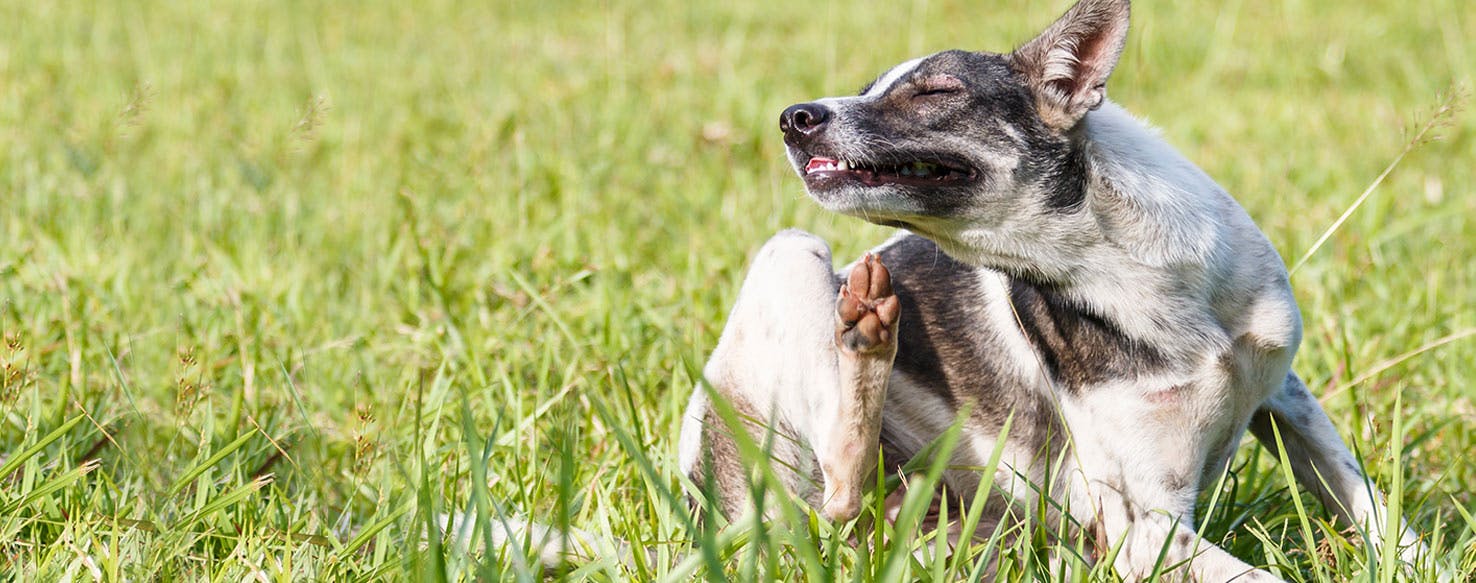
(515, 538)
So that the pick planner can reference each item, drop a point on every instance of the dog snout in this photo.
(803, 119)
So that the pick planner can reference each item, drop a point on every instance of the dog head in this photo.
(964, 140)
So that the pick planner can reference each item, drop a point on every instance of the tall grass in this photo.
(281, 283)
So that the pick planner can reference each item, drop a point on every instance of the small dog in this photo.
(1063, 267)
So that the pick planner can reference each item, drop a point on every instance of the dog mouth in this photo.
(821, 171)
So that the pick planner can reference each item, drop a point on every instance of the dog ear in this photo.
(1068, 64)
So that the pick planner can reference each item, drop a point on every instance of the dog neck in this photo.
(1143, 247)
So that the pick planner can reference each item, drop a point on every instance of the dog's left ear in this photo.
(1068, 64)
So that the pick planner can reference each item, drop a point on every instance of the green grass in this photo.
(280, 281)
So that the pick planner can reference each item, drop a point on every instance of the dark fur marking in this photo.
(1079, 347)
(725, 473)
(934, 128)
(1066, 177)
(1297, 388)
(947, 348)
(719, 468)
(1175, 481)
(1261, 427)
(930, 286)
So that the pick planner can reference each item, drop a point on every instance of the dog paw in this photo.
(867, 311)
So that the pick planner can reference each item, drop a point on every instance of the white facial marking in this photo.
(877, 89)
(886, 81)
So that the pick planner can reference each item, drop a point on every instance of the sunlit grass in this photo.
(281, 282)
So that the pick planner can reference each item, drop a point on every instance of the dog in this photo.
(1059, 266)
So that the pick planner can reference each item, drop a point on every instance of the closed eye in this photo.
(938, 86)
(935, 91)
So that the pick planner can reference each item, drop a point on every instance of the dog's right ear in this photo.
(1068, 64)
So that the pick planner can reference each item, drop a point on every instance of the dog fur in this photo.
(1061, 266)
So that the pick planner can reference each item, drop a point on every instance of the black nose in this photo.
(803, 119)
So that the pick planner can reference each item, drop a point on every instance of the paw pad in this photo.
(867, 311)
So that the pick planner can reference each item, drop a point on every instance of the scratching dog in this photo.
(1060, 265)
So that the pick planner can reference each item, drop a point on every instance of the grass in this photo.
(282, 281)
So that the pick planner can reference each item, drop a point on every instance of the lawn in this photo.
(281, 282)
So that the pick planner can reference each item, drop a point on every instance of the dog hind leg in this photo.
(795, 360)
(1322, 463)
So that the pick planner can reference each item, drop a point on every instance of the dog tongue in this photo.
(818, 162)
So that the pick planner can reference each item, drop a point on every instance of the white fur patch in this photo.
(891, 77)
(689, 447)
(778, 343)
(1174, 204)
(877, 89)
(1022, 358)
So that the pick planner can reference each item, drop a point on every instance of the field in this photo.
(281, 282)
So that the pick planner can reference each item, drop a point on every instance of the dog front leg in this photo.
(1322, 463)
(849, 428)
(1159, 545)
(1135, 483)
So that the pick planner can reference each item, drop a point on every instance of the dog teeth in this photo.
(927, 170)
(823, 165)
